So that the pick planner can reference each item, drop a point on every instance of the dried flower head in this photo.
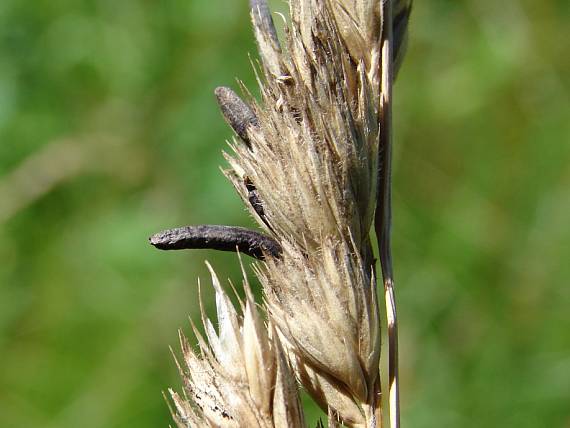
(241, 377)
(311, 161)
(325, 308)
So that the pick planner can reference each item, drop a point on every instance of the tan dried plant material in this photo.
(312, 155)
(311, 162)
(240, 377)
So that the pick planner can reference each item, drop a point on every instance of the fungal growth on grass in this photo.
(311, 161)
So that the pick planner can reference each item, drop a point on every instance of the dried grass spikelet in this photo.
(241, 377)
(311, 152)
(311, 158)
(325, 308)
(306, 164)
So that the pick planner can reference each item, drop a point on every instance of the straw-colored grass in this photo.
(311, 160)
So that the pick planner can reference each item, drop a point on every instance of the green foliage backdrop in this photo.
(109, 132)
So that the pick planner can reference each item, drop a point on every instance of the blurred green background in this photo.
(109, 132)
